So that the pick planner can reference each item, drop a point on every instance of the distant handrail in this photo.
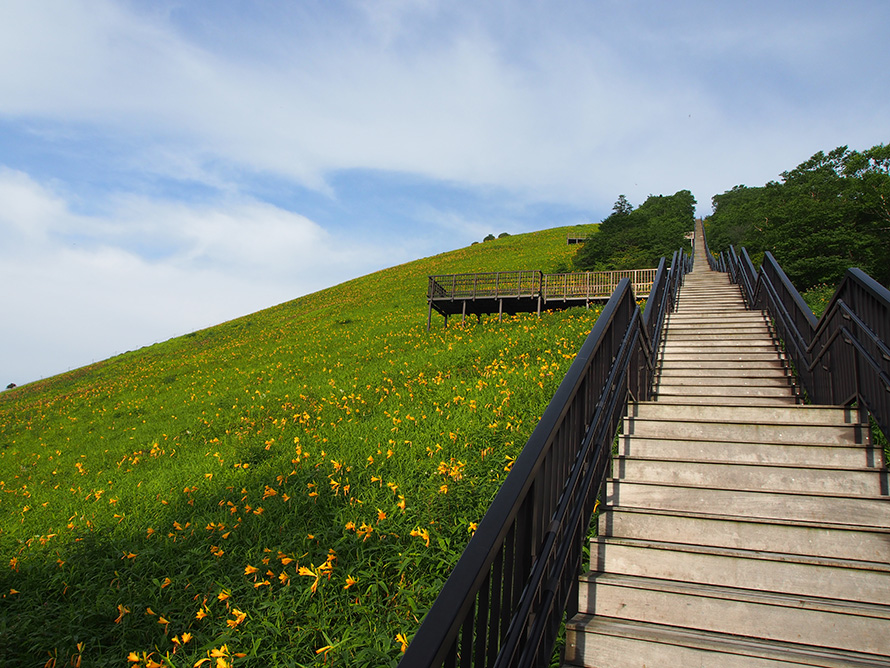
(501, 284)
(589, 284)
(715, 263)
(507, 595)
(485, 285)
(841, 358)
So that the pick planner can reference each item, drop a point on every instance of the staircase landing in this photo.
(740, 528)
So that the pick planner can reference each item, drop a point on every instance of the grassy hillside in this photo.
(290, 488)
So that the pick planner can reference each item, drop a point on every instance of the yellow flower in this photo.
(349, 582)
(239, 617)
(402, 640)
(423, 534)
(250, 570)
(121, 612)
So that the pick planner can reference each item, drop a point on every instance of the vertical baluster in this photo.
(466, 638)
(497, 588)
(483, 629)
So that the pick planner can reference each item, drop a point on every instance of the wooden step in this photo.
(842, 539)
(804, 415)
(841, 455)
(669, 357)
(775, 432)
(705, 347)
(872, 511)
(721, 337)
(796, 575)
(712, 389)
(759, 476)
(675, 377)
(736, 364)
(620, 643)
(842, 625)
(728, 399)
(768, 370)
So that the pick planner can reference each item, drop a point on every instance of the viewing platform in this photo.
(526, 291)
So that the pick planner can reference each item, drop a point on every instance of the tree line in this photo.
(637, 238)
(829, 213)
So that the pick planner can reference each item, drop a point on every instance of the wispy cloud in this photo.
(82, 287)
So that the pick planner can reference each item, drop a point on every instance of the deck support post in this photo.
(429, 316)
(500, 310)
(463, 314)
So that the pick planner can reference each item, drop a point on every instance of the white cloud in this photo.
(539, 100)
(28, 210)
(80, 288)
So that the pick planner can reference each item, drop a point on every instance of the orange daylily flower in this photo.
(239, 617)
(121, 612)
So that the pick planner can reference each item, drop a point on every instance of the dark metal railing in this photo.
(593, 284)
(715, 263)
(499, 284)
(841, 358)
(488, 285)
(518, 577)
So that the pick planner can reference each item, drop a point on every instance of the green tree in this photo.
(829, 213)
(636, 238)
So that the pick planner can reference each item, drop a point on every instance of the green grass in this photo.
(286, 489)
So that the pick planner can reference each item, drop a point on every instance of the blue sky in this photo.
(169, 165)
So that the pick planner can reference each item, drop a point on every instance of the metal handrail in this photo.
(841, 358)
(517, 578)
(713, 262)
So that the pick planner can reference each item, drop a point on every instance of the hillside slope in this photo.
(292, 486)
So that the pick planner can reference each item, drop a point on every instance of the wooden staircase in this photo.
(741, 527)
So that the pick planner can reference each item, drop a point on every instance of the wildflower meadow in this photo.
(290, 488)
